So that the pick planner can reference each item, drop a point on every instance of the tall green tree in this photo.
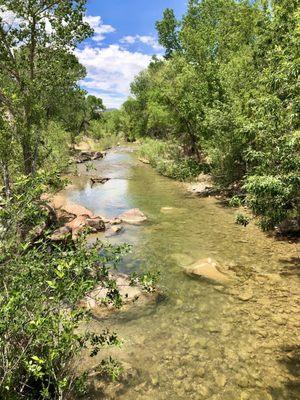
(168, 35)
(37, 64)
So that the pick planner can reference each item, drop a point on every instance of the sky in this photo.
(124, 41)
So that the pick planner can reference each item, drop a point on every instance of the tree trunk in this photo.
(6, 179)
(27, 157)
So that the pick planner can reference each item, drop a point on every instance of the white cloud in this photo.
(148, 40)
(100, 29)
(110, 71)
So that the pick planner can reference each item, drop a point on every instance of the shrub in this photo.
(167, 159)
(41, 284)
(242, 220)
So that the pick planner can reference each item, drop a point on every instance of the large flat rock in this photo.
(207, 269)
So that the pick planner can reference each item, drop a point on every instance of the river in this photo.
(203, 341)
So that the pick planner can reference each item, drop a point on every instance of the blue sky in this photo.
(123, 43)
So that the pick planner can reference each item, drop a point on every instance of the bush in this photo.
(167, 159)
(242, 220)
(41, 284)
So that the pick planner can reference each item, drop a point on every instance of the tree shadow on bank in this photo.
(291, 267)
(291, 361)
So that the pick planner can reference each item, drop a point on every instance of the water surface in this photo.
(202, 342)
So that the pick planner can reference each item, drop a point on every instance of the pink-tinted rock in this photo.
(83, 221)
(115, 221)
(77, 209)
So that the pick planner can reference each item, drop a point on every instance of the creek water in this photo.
(203, 341)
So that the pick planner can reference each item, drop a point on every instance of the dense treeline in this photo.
(227, 93)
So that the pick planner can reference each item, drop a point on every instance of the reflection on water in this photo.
(203, 342)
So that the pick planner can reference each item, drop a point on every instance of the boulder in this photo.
(115, 221)
(84, 221)
(76, 209)
(96, 223)
(61, 234)
(207, 269)
(63, 217)
(134, 217)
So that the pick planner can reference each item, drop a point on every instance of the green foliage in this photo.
(37, 66)
(110, 369)
(107, 131)
(148, 281)
(55, 148)
(168, 33)
(24, 212)
(41, 285)
(228, 95)
(235, 201)
(39, 317)
(168, 159)
(242, 220)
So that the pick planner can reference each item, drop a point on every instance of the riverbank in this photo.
(168, 159)
(204, 341)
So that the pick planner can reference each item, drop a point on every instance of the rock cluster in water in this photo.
(74, 219)
(85, 156)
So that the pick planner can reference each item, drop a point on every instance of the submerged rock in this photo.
(170, 210)
(97, 302)
(114, 230)
(182, 259)
(207, 269)
(246, 295)
(134, 216)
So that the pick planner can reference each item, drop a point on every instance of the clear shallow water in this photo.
(202, 342)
